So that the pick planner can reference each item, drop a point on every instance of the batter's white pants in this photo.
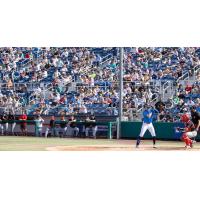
(191, 134)
(146, 127)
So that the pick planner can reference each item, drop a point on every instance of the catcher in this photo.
(189, 132)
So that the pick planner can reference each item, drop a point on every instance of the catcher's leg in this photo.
(192, 135)
(187, 140)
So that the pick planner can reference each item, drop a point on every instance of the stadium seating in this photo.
(37, 78)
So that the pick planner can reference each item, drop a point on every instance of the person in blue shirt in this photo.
(147, 125)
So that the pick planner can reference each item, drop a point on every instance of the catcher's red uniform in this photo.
(189, 127)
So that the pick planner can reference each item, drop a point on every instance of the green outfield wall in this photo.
(163, 130)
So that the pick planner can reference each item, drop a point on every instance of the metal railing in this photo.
(165, 89)
(106, 59)
(196, 69)
(184, 77)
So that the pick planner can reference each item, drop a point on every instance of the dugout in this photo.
(106, 125)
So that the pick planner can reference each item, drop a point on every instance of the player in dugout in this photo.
(90, 124)
(72, 129)
(51, 128)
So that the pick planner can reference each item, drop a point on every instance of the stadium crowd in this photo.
(184, 99)
(81, 80)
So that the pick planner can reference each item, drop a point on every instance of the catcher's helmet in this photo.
(185, 118)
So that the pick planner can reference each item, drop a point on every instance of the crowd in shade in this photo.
(71, 80)
(184, 99)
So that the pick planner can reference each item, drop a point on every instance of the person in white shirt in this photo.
(60, 63)
(190, 103)
(64, 69)
(56, 98)
(80, 54)
(38, 126)
(98, 59)
(44, 74)
(75, 58)
(66, 79)
(37, 68)
(38, 91)
(55, 60)
(56, 74)
(91, 81)
(136, 101)
(83, 109)
(65, 54)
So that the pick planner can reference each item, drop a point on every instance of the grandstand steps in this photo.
(170, 91)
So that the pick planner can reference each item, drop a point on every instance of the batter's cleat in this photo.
(137, 146)
(154, 146)
(188, 147)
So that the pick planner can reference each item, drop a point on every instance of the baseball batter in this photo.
(147, 125)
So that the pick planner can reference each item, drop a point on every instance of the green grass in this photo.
(11, 143)
(18, 143)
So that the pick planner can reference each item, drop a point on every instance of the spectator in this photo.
(38, 126)
(190, 103)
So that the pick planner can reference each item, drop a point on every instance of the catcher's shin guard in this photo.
(186, 139)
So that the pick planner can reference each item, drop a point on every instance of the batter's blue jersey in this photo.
(147, 119)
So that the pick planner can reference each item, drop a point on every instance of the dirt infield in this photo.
(89, 148)
(119, 148)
